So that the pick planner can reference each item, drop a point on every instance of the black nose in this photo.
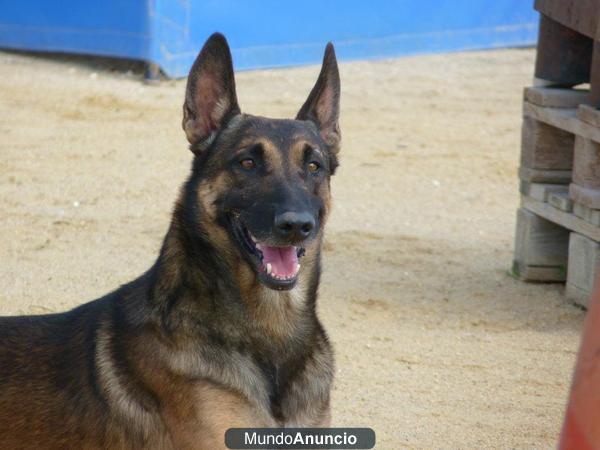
(294, 226)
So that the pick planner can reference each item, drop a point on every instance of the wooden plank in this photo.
(589, 197)
(577, 295)
(541, 248)
(578, 15)
(553, 97)
(587, 131)
(584, 262)
(538, 273)
(545, 176)
(563, 118)
(561, 200)
(541, 191)
(586, 164)
(564, 55)
(589, 115)
(595, 72)
(588, 214)
(546, 147)
(562, 218)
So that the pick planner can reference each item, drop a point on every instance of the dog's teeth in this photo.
(298, 268)
(269, 268)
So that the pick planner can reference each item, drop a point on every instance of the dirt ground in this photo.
(437, 347)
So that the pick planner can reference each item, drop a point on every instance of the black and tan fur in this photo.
(200, 342)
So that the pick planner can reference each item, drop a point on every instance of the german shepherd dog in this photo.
(222, 330)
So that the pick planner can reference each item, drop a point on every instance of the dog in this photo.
(222, 330)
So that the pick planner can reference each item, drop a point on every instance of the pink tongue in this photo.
(283, 260)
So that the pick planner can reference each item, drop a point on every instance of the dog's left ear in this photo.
(323, 104)
(210, 98)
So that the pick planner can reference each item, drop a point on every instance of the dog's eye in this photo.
(247, 163)
(313, 167)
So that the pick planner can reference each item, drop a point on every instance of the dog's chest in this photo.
(298, 386)
(282, 389)
(277, 379)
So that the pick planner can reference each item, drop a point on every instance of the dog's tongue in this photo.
(283, 260)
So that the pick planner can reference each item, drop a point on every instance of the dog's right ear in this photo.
(210, 98)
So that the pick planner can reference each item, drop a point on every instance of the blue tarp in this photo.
(263, 33)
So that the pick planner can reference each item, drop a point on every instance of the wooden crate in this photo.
(558, 224)
(560, 182)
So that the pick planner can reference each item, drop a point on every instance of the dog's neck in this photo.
(191, 283)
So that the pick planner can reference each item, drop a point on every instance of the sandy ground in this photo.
(437, 347)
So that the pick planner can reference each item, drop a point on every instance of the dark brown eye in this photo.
(247, 163)
(313, 167)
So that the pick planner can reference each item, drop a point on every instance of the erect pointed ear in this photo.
(210, 99)
(323, 104)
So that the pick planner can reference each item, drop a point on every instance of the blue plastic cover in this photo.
(264, 33)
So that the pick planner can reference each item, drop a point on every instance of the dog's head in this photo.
(261, 185)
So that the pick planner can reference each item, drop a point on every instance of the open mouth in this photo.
(277, 266)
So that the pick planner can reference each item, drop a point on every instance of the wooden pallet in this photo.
(558, 224)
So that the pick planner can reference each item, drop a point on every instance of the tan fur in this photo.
(208, 192)
(204, 428)
(123, 404)
(273, 155)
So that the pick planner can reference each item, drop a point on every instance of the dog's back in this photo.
(60, 376)
(47, 379)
